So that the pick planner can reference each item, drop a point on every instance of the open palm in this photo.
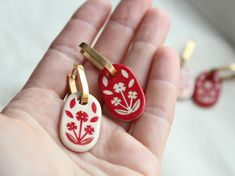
(134, 36)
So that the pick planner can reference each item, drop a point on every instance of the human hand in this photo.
(30, 144)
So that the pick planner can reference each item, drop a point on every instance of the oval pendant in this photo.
(80, 124)
(207, 89)
(186, 86)
(122, 93)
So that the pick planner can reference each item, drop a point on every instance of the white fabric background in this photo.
(202, 140)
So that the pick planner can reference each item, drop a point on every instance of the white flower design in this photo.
(132, 94)
(127, 101)
(116, 101)
(119, 87)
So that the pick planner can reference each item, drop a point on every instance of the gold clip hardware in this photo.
(97, 59)
(228, 68)
(79, 74)
(187, 52)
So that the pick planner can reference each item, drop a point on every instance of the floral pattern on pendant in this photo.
(80, 124)
(207, 89)
(122, 93)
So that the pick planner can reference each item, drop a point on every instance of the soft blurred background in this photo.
(202, 141)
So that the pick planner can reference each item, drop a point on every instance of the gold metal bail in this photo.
(228, 68)
(97, 59)
(79, 74)
(187, 52)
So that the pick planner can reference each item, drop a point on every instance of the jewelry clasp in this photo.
(79, 74)
(97, 59)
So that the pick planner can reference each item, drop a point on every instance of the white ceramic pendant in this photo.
(186, 84)
(80, 124)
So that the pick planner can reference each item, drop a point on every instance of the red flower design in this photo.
(89, 129)
(71, 126)
(83, 116)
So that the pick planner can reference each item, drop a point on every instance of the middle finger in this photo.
(149, 37)
(114, 41)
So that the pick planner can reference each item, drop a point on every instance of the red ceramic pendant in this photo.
(122, 93)
(207, 89)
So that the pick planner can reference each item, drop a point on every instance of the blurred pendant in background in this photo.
(186, 83)
(207, 89)
(208, 85)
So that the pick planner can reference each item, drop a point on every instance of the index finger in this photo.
(52, 71)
